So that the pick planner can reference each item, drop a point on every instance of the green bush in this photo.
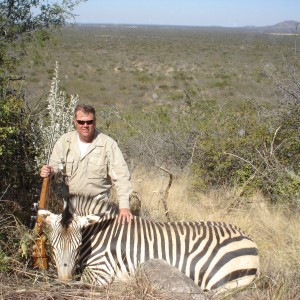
(234, 144)
(16, 150)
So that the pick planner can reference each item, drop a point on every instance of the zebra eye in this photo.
(65, 265)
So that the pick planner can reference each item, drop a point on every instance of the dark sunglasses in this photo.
(88, 122)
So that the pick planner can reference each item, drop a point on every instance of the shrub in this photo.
(234, 144)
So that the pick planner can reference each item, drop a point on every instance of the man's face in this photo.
(85, 130)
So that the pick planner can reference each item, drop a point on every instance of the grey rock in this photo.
(170, 281)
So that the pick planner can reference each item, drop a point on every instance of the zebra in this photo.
(215, 255)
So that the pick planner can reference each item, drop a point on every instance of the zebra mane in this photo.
(67, 216)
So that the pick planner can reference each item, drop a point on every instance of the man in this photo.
(90, 162)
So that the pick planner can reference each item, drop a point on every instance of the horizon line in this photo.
(177, 25)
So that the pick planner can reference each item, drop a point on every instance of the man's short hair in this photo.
(86, 109)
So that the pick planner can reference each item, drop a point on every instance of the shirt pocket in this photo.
(70, 166)
(97, 168)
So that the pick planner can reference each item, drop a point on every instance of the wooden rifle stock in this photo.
(39, 256)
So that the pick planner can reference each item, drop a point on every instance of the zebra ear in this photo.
(47, 215)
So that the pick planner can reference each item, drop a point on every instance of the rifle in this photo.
(39, 255)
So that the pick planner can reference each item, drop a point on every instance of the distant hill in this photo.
(287, 27)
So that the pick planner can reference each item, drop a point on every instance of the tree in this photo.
(22, 24)
(21, 21)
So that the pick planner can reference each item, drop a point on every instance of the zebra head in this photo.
(65, 238)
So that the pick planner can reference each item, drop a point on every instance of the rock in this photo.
(168, 280)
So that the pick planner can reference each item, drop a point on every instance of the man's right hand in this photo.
(46, 171)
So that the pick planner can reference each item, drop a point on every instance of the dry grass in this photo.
(276, 231)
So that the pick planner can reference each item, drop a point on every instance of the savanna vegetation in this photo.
(208, 120)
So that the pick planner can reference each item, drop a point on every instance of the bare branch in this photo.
(166, 192)
(243, 159)
(272, 143)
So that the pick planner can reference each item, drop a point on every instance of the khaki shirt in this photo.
(95, 172)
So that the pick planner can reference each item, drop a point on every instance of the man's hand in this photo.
(46, 171)
(124, 216)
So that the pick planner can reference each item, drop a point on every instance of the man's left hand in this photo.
(124, 216)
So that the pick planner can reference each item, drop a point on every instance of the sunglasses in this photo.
(88, 122)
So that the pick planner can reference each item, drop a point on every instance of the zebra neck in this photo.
(84, 205)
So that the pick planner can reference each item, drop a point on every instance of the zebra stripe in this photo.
(212, 254)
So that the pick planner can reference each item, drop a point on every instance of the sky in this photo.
(228, 13)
